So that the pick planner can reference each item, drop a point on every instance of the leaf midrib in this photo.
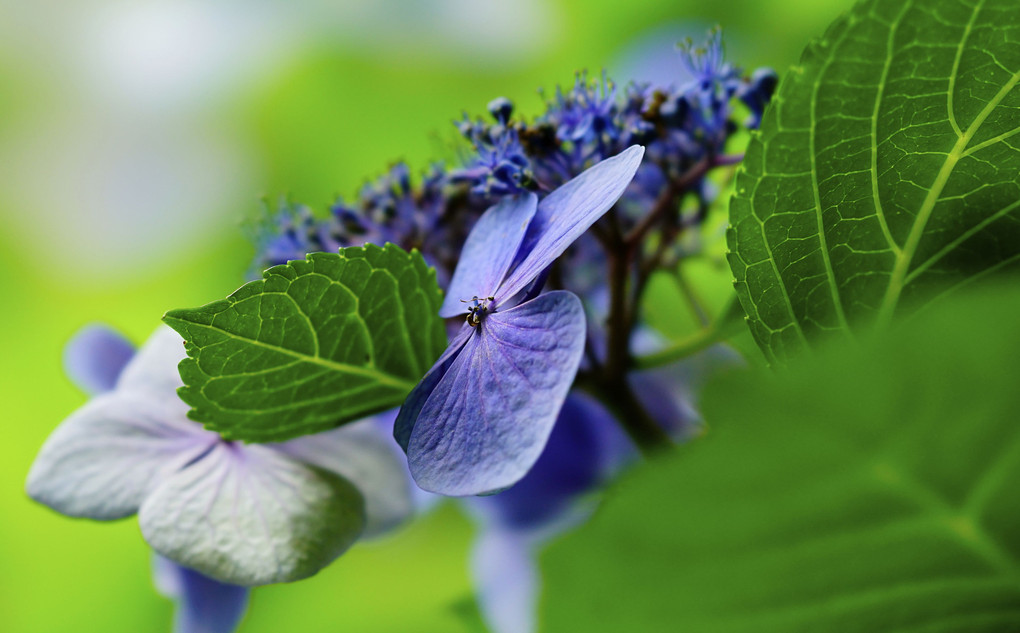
(897, 280)
(935, 511)
(962, 523)
(384, 378)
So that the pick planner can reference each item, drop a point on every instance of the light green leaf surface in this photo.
(887, 171)
(313, 345)
(861, 492)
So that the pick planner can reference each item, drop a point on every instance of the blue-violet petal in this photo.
(204, 604)
(568, 212)
(95, 356)
(413, 403)
(489, 417)
(488, 252)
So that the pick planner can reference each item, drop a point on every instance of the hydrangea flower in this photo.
(94, 359)
(240, 514)
(479, 419)
(684, 126)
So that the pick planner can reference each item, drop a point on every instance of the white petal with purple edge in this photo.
(486, 422)
(568, 212)
(361, 453)
(102, 460)
(488, 252)
(250, 515)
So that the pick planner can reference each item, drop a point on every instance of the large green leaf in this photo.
(314, 344)
(862, 491)
(886, 172)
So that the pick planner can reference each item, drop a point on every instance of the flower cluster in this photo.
(389, 209)
(224, 515)
(486, 225)
(539, 337)
(684, 130)
(544, 240)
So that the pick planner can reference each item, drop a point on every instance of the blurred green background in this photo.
(134, 139)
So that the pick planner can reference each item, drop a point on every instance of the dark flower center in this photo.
(477, 310)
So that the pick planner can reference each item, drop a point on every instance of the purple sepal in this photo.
(566, 213)
(94, 358)
(204, 605)
(488, 418)
(488, 252)
(585, 446)
(413, 403)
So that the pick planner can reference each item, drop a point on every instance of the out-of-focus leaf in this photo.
(865, 491)
(887, 171)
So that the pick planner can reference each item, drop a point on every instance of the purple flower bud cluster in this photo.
(581, 127)
(389, 209)
(501, 166)
(287, 234)
(697, 117)
(684, 130)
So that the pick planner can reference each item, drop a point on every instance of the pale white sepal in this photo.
(153, 370)
(103, 460)
(362, 454)
(250, 515)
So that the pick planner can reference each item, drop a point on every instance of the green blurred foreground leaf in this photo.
(860, 492)
(887, 170)
(313, 345)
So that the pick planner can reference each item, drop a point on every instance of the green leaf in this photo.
(886, 172)
(313, 345)
(863, 491)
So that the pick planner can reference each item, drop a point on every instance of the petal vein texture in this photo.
(489, 417)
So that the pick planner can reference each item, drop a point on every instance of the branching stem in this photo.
(628, 274)
(621, 401)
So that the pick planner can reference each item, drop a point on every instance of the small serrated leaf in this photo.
(886, 172)
(314, 344)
